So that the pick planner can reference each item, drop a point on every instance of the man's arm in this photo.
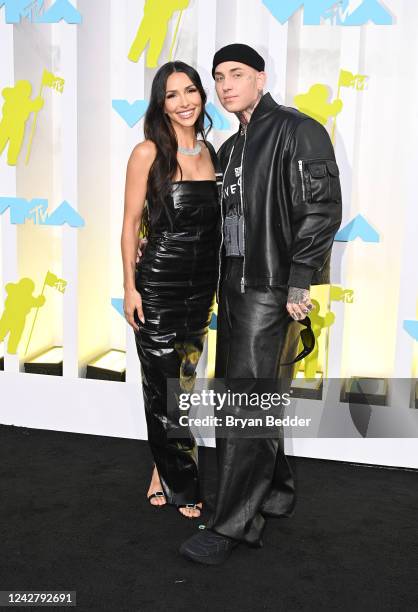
(315, 192)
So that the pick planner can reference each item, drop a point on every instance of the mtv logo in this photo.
(15, 9)
(61, 285)
(37, 211)
(33, 10)
(340, 12)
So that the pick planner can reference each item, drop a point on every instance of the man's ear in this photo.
(261, 80)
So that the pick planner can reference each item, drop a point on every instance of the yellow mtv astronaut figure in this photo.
(315, 104)
(16, 110)
(153, 29)
(17, 306)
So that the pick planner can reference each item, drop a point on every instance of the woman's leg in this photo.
(163, 358)
(155, 485)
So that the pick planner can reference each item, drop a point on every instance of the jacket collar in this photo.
(266, 104)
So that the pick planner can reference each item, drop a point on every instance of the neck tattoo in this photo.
(245, 116)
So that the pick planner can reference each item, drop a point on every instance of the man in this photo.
(281, 208)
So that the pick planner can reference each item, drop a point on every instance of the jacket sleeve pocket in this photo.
(320, 181)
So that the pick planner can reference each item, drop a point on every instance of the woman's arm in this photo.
(139, 164)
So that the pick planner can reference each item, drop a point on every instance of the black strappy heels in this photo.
(156, 494)
(192, 507)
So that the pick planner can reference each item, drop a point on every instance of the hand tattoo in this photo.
(301, 298)
(297, 295)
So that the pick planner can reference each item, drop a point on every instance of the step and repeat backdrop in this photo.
(75, 78)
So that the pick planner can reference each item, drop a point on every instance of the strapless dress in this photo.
(176, 278)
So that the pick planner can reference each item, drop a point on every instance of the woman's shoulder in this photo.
(206, 143)
(212, 152)
(143, 153)
(209, 146)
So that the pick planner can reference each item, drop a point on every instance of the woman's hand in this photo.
(141, 248)
(133, 301)
(298, 303)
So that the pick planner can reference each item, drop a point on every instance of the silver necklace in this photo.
(195, 151)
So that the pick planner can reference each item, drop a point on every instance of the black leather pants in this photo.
(254, 333)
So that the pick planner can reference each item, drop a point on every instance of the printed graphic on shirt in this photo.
(232, 181)
(232, 191)
(233, 223)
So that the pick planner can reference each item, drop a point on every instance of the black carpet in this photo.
(74, 516)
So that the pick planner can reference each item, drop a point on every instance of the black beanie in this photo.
(238, 53)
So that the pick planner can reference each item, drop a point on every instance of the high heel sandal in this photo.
(159, 493)
(156, 494)
(192, 507)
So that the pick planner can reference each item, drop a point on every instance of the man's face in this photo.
(238, 85)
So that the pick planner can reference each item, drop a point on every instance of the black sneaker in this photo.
(208, 547)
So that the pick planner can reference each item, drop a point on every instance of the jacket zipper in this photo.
(222, 225)
(300, 162)
(242, 209)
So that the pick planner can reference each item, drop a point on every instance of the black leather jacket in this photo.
(291, 198)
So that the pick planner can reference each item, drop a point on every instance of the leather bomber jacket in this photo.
(291, 198)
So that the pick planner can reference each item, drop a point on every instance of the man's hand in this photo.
(141, 248)
(298, 303)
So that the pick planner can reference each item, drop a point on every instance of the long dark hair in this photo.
(158, 128)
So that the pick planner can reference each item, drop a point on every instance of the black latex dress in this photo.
(176, 278)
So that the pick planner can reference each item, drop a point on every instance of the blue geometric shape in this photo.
(411, 327)
(5, 202)
(36, 210)
(213, 322)
(65, 214)
(357, 228)
(220, 122)
(117, 304)
(61, 9)
(369, 10)
(15, 9)
(19, 207)
(315, 10)
(130, 112)
(31, 9)
(22, 209)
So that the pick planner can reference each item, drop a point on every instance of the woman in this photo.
(169, 297)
